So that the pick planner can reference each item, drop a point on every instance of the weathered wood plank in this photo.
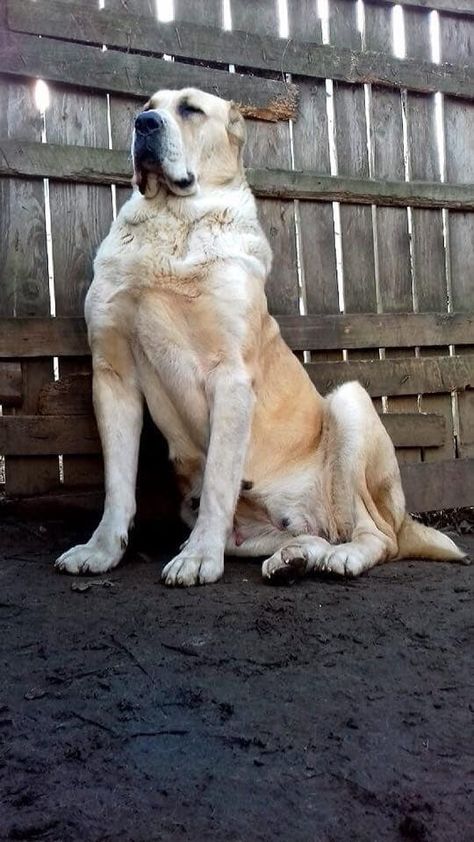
(457, 38)
(415, 429)
(81, 215)
(123, 110)
(431, 486)
(73, 433)
(455, 7)
(136, 75)
(43, 337)
(397, 376)
(88, 165)
(67, 337)
(39, 435)
(70, 395)
(11, 384)
(427, 236)
(370, 330)
(267, 142)
(311, 152)
(392, 237)
(24, 282)
(245, 49)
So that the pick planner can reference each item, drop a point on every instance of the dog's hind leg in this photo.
(119, 412)
(310, 554)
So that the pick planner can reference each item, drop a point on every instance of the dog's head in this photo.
(186, 139)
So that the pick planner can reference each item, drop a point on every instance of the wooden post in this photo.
(270, 143)
(392, 243)
(24, 285)
(457, 40)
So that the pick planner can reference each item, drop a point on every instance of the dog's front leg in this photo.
(231, 401)
(119, 412)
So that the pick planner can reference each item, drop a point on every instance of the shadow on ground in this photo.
(325, 712)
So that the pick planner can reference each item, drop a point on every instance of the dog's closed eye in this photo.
(186, 109)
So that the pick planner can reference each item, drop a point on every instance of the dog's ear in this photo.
(236, 126)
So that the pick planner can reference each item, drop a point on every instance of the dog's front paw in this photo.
(199, 567)
(88, 558)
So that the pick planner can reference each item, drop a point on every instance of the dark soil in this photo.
(325, 712)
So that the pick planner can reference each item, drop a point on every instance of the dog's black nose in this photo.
(148, 122)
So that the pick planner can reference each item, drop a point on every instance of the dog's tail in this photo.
(418, 541)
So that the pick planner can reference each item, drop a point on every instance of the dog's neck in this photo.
(206, 200)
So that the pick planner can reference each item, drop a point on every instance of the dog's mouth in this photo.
(150, 160)
(180, 187)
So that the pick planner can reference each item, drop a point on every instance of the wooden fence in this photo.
(365, 187)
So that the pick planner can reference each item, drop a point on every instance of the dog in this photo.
(177, 317)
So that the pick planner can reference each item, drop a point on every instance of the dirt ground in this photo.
(323, 712)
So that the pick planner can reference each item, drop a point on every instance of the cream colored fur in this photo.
(177, 317)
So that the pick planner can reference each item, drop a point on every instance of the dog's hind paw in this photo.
(286, 565)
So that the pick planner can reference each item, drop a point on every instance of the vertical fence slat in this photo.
(352, 157)
(24, 284)
(357, 239)
(123, 110)
(80, 218)
(269, 144)
(457, 45)
(311, 151)
(429, 263)
(392, 236)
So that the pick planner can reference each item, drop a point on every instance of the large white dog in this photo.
(177, 316)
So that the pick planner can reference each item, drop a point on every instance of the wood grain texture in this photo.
(48, 337)
(75, 432)
(357, 240)
(457, 7)
(457, 38)
(367, 330)
(135, 75)
(251, 48)
(311, 151)
(67, 337)
(11, 384)
(271, 143)
(438, 485)
(400, 376)
(427, 238)
(392, 236)
(80, 219)
(70, 395)
(87, 165)
(24, 284)
(36, 435)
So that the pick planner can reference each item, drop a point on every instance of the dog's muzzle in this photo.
(154, 151)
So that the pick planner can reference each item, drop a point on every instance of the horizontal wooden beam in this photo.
(67, 337)
(431, 486)
(41, 435)
(370, 330)
(87, 165)
(415, 429)
(244, 49)
(39, 337)
(452, 7)
(63, 433)
(137, 75)
(11, 384)
(407, 376)
(311, 186)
